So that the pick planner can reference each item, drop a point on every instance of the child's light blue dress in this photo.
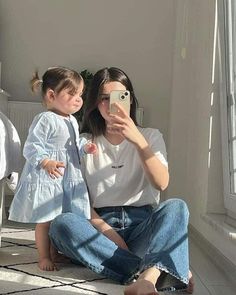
(38, 197)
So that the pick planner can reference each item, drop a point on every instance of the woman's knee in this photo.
(180, 208)
(180, 205)
(177, 208)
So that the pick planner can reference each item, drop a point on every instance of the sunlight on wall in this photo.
(210, 131)
(213, 81)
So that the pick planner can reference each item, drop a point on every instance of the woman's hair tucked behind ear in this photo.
(57, 79)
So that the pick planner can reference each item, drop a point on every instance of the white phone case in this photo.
(121, 97)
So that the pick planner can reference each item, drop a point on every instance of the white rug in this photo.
(19, 273)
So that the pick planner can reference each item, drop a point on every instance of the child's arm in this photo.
(34, 149)
(107, 230)
(86, 146)
(35, 152)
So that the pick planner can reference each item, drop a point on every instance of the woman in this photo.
(131, 235)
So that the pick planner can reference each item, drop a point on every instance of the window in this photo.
(229, 107)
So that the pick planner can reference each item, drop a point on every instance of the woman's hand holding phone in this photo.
(123, 125)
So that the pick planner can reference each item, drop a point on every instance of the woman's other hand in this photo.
(107, 230)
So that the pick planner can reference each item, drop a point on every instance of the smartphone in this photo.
(122, 97)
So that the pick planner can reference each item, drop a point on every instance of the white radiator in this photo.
(21, 114)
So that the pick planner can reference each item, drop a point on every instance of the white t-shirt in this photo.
(115, 176)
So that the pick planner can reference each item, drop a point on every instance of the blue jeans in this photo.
(155, 237)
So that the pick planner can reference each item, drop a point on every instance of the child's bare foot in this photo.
(141, 287)
(190, 287)
(46, 264)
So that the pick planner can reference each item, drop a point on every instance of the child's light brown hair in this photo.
(57, 79)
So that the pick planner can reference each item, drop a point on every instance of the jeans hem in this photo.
(110, 274)
(133, 276)
(182, 279)
(168, 271)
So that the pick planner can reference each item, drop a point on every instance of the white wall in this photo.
(194, 176)
(134, 35)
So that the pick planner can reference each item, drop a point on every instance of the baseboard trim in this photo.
(214, 254)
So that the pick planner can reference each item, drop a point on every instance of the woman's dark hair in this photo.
(93, 122)
(57, 79)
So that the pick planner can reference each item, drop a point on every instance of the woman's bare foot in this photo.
(46, 264)
(141, 287)
(145, 284)
(190, 287)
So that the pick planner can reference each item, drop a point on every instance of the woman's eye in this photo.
(104, 97)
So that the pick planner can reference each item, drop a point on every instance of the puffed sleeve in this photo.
(34, 149)
(82, 142)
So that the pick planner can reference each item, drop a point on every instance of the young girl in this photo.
(51, 181)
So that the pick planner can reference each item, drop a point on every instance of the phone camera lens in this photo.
(126, 93)
(122, 97)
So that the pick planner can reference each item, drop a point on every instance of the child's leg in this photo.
(43, 246)
(58, 257)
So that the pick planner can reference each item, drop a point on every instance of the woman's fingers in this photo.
(121, 111)
(118, 126)
(115, 118)
(114, 130)
(112, 125)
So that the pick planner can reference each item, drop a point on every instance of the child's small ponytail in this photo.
(35, 82)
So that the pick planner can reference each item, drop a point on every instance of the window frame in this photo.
(226, 96)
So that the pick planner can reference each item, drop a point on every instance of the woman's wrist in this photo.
(141, 143)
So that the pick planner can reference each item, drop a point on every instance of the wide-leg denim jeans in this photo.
(155, 237)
